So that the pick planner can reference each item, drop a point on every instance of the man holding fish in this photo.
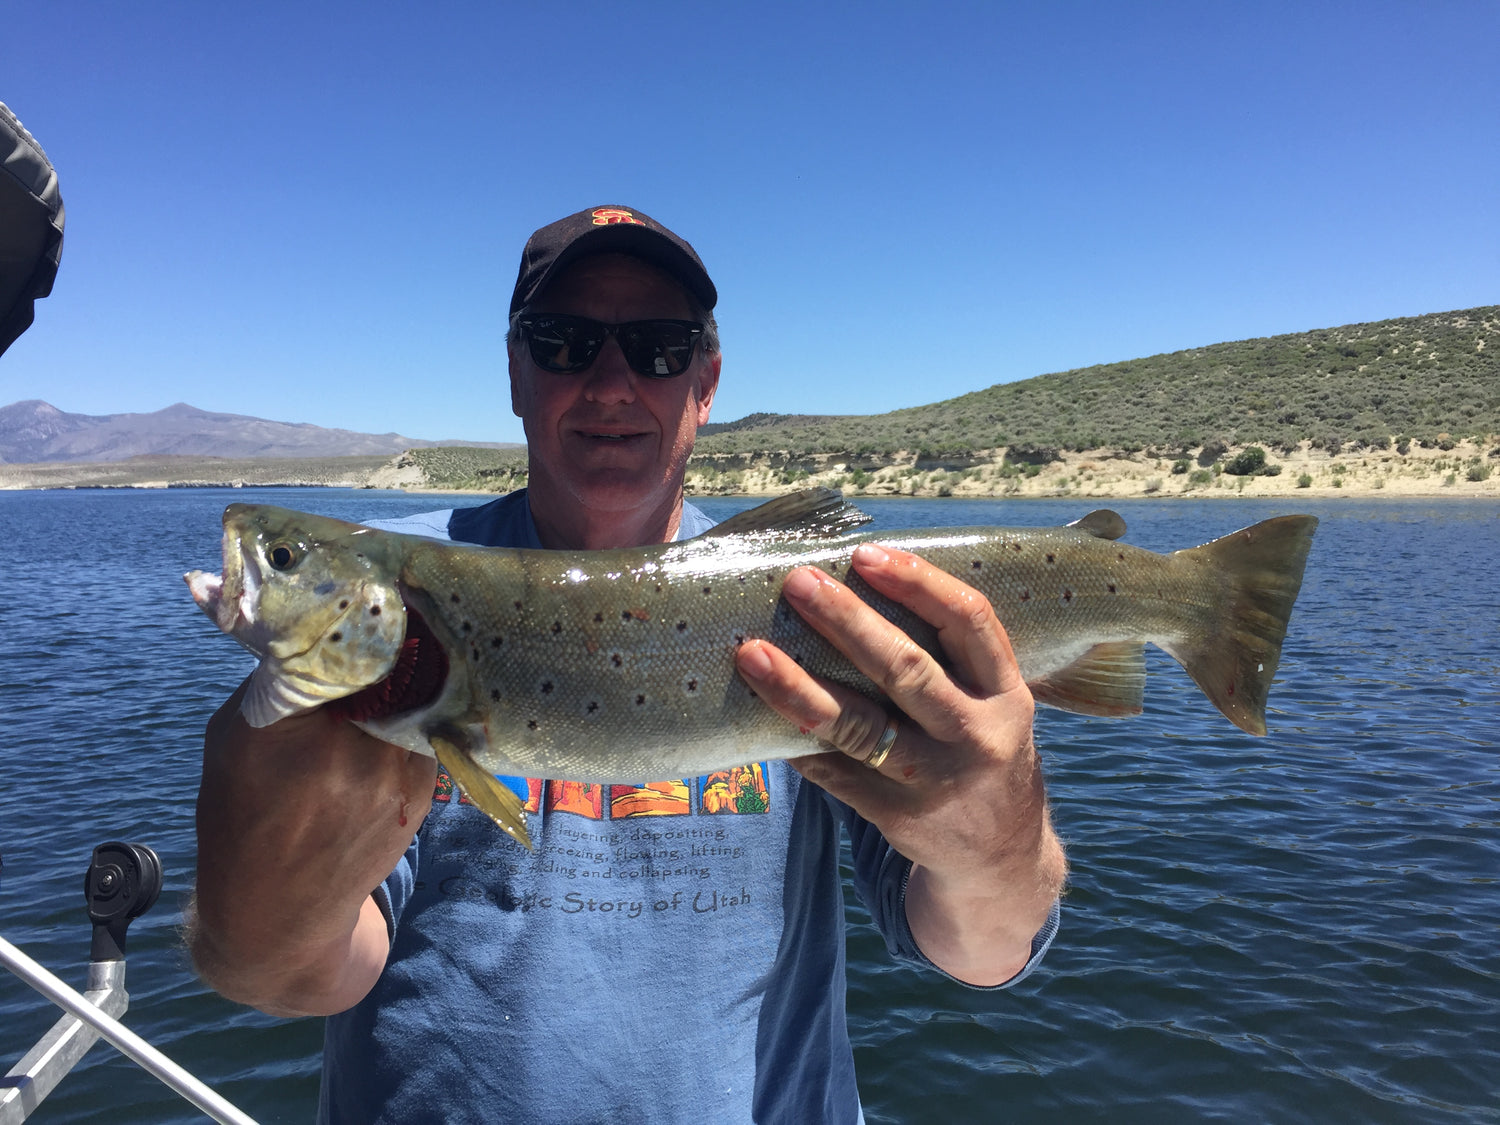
(681, 961)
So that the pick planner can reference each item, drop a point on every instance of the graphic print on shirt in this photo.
(682, 848)
(656, 798)
(739, 790)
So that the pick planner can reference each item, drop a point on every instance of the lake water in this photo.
(1304, 927)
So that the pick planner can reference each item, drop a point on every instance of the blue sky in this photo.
(313, 212)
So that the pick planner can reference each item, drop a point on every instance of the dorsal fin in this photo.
(819, 512)
(1101, 524)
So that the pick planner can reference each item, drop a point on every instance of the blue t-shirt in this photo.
(669, 953)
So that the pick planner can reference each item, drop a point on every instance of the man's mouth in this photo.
(610, 437)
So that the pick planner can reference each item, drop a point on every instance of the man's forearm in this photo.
(287, 980)
(981, 931)
(298, 823)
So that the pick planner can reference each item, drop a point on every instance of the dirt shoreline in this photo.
(1464, 471)
(1105, 474)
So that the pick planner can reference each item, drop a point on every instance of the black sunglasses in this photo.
(657, 349)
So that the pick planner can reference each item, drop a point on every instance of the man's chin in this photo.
(619, 487)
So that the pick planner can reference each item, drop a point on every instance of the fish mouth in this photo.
(229, 599)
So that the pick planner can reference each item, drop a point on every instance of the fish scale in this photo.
(618, 666)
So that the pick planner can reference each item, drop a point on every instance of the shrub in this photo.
(1247, 462)
(1212, 451)
(1180, 466)
(1304, 481)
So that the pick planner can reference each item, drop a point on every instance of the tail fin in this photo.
(1261, 571)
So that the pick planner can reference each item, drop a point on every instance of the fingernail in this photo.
(870, 555)
(754, 661)
(802, 583)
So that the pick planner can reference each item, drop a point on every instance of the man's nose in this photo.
(609, 377)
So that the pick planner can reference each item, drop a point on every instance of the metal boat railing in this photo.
(122, 883)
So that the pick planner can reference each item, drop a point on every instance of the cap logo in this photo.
(604, 216)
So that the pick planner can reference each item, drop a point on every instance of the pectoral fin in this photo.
(492, 798)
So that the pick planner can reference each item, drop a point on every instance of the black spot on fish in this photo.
(1111, 587)
(1015, 547)
(739, 638)
(1067, 595)
(1051, 558)
(742, 580)
(556, 628)
(531, 724)
(1025, 595)
(453, 598)
(976, 564)
(494, 695)
(598, 619)
(626, 615)
(708, 589)
(615, 659)
(682, 626)
(1121, 556)
(658, 587)
(547, 688)
(496, 642)
(335, 637)
(467, 626)
(374, 611)
(640, 699)
(593, 706)
(692, 685)
(344, 604)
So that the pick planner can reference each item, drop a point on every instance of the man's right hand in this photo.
(297, 823)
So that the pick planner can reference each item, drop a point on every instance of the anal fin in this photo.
(1109, 680)
(489, 795)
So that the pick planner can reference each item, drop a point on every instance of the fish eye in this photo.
(282, 556)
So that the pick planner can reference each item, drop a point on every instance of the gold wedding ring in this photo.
(883, 745)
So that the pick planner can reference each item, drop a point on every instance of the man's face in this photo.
(606, 438)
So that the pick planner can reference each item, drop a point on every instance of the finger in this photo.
(972, 637)
(898, 666)
(844, 719)
(879, 799)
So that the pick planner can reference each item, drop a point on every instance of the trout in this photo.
(618, 665)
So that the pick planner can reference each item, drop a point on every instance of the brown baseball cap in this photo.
(609, 230)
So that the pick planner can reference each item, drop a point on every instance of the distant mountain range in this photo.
(34, 431)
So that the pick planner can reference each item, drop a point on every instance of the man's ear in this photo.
(708, 383)
(513, 363)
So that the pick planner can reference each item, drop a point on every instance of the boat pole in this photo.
(129, 1044)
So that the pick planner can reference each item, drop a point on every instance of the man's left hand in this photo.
(960, 792)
